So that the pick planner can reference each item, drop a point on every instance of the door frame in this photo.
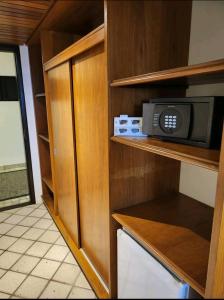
(15, 49)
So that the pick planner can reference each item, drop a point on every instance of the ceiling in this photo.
(18, 19)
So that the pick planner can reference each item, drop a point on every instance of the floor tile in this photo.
(60, 241)
(43, 224)
(42, 206)
(4, 216)
(38, 249)
(25, 264)
(47, 216)
(37, 213)
(29, 221)
(67, 273)
(13, 211)
(4, 296)
(5, 228)
(56, 290)
(11, 281)
(40, 260)
(82, 282)
(20, 246)
(33, 234)
(57, 252)
(70, 259)
(45, 268)
(17, 231)
(6, 242)
(2, 272)
(79, 293)
(25, 211)
(8, 259)
(32, 287)
(53, 227)
(49, 237)
(14, 219)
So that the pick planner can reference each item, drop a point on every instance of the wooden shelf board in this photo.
(203, 73)
(176, 229)
(40, 95)
(206, 158)
(48, 182)
(44, 137)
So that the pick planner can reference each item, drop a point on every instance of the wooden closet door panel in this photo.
(91, 119)
(61, 105)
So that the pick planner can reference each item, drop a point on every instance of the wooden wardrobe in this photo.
(92, 61)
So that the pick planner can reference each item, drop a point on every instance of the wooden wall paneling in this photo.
(87, 42)
(147, 36)
(53, 42)
(18, 19)
(41, 116)
(215, 277)
(91, 119)
(65, 178)
(36, 68)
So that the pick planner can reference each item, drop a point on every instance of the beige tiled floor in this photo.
(35, 261)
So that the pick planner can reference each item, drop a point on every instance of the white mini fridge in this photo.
(140, 275)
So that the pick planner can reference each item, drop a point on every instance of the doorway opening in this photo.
(16, 178)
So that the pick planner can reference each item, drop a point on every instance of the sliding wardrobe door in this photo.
(61, 107)
(91, 119)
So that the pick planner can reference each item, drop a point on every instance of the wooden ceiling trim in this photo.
(18, 19)
(20, 12)
(15, 29)
(77, 17)
(33, 4)
(16, 14)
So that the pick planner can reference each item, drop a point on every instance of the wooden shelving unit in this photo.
(207, 158)
(48, 199)
(177, 230)
(212, 71)
(138, 64)
(42, 123)
(48, 181)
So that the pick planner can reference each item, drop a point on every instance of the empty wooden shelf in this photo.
(176, 229)
(48, 182)
(207, 158)
(40, 95)
(208, 72)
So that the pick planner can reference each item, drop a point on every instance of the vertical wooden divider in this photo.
(215, 277)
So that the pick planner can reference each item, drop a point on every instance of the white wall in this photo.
(31, 121)
(11, 134)
(7, 64)
(206, 43)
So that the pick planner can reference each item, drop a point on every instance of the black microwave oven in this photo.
(196, 121)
